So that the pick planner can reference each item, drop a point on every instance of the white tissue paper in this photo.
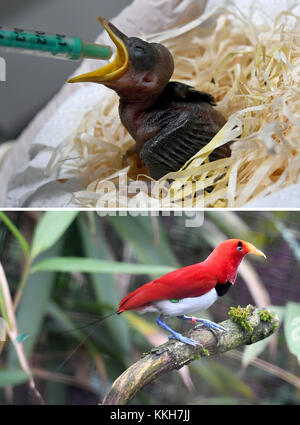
(30, 186)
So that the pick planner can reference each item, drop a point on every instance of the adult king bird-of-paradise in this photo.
(169, 121)
(187, 290)
(191, 289)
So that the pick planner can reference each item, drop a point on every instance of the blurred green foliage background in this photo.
(66, 269)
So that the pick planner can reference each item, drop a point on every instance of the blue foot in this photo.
(211, 325)
(176, 335)
(208, 323)
(184, 339)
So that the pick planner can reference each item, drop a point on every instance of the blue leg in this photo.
(175, 335)
(207, 323)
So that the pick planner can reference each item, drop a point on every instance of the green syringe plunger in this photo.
(58, 46)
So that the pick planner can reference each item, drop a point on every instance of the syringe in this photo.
(58, 46)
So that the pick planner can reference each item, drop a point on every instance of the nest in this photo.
(253, 73)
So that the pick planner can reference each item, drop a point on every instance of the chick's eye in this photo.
(142, 55)
(239, 247)
(138, 52)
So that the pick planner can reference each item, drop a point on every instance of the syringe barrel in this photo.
(41, 43)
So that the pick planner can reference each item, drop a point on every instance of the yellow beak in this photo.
(253, 250)
(116, 68)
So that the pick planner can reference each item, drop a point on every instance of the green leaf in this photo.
(230, 223)
(95, 246)
(62, 318)
(3, 307)
(56, 392)
(69, 328)
(33, 305)
(289, 236)
(15, 231)
(222, 379)
(139, 324)
(139, 232)
(254, 350)
(90, 265)
(292, 328)
(12, 377)
(213, 401)
(2, 330)
(49, 229)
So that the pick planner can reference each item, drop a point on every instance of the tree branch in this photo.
(174, 354)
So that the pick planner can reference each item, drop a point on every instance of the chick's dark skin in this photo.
(170, 121)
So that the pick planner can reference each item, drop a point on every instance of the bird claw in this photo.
(185, 340)
(211, 326)
(159, 351)
(216, 330)
(222, 329)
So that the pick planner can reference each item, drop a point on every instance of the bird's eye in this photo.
(240, 245)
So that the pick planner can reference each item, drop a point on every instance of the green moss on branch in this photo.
(241, 315)
(266, 315)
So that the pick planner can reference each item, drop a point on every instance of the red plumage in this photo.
(190, 281)
(195, 280)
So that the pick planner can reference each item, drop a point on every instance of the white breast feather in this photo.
(184, 306)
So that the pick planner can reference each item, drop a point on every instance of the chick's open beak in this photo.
(113, 70)
(253, 250)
